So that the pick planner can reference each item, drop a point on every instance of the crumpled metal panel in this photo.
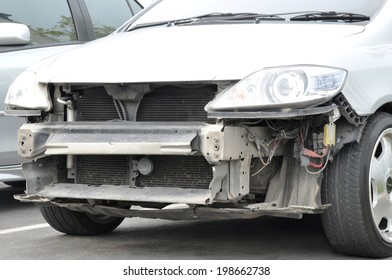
(123, 193)
(183, 211)
(293, 186)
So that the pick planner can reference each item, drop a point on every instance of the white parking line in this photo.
(11, 230)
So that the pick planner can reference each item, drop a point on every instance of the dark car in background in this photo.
(33, 30)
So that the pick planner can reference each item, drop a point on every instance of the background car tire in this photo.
(349, 186)
(78, 223)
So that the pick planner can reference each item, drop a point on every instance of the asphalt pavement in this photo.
(24, 235)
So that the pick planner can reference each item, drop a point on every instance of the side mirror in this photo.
(14, 34)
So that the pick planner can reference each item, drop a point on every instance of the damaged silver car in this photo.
(217, 109)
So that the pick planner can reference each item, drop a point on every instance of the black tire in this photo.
(78, 223)
(351, 224)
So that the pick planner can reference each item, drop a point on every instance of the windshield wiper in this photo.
(239, 16)
(331, 16)
(224, 17)
(212, 18)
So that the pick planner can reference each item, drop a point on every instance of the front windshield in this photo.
(168, 10)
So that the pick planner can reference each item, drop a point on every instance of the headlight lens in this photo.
(287, 86)
(27, 93)
(281, 87)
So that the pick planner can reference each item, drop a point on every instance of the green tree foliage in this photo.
(103, 30)
(64, 30)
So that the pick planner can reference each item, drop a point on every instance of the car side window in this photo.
(49, 21)
(108, 15)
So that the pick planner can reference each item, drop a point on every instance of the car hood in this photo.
(196, 52)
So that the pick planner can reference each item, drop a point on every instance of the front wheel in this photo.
(358, 185)
(78, 223)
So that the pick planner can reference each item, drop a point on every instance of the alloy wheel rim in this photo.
(380, 182)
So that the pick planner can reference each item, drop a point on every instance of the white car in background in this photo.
(33, 30)
(219, 109)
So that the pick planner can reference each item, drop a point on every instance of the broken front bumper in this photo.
(228, 151)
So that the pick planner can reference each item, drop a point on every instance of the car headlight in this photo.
(281, 87)
(26, 92)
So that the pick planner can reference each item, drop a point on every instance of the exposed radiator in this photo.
(97, 105)
(163, 104)
(176, 104)
(178, 171)
(166, 103)
(168, 171)
(99, 170)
